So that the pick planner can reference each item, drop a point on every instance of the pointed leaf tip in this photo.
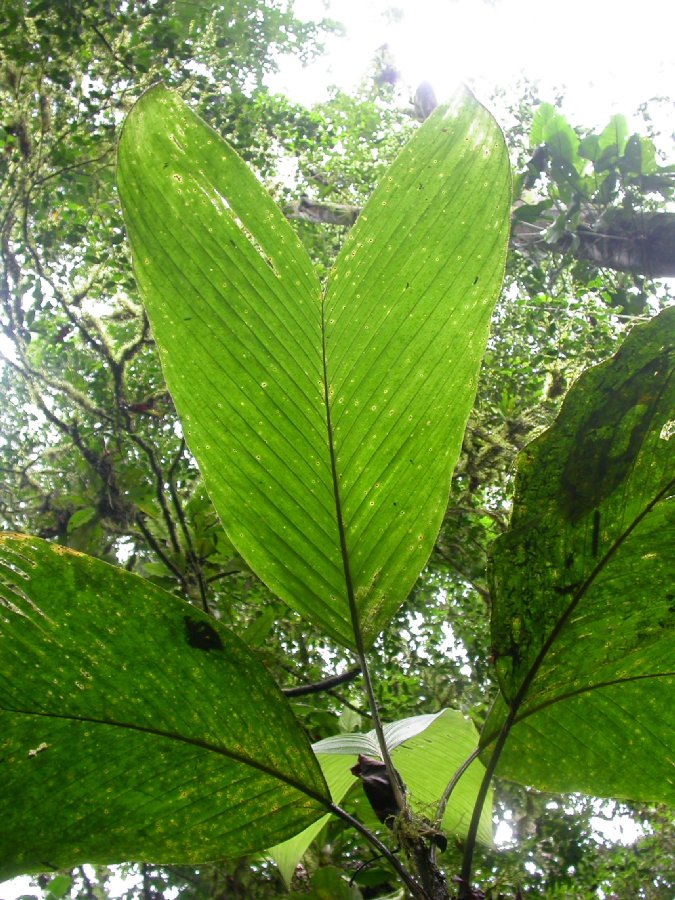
(321, 425)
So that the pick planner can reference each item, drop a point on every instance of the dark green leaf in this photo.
(583, 615)
(133, 726)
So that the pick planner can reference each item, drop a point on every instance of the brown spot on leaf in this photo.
(201, 635)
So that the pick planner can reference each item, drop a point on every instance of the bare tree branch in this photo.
(318, 687)
(639, 244)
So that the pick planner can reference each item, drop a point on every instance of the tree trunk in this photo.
(640, 243)
(325, 213)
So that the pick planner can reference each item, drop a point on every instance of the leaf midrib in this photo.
(195, 742)
(560, 698)
(344, 551)
(521, 695)
(583, 589)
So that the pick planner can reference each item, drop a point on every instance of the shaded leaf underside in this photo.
(583, 624)
(120, 737)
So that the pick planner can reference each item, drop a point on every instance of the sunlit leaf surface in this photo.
(326, 428)
(426, 751)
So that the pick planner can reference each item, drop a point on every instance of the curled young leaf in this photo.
(378, 788)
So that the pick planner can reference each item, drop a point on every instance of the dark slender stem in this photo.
(319, 686)
(153, 544)
(392, 774)
(220, 575)
(452, 784)
(416, 889)
(465, 892)
(88, 887)
(147, 884)
(193, 559)
(108, 47)
(160, 479)
(64, 169)
(343, 700)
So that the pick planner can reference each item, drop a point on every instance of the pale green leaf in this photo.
(583, 616)
(615, 135)
(132, 726)
(551, 128)
(326, 430)
(426, 751)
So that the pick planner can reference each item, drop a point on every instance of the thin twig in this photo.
(153, 544)
(452, 784)
(110, 49)
(78, 165)
(159, 488)
(88, 887)
(318, 687)
(194, 561)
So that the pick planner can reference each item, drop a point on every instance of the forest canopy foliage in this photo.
(325, 383)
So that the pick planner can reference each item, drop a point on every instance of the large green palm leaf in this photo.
(326, 425)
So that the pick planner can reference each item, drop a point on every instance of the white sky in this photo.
(610, 55)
